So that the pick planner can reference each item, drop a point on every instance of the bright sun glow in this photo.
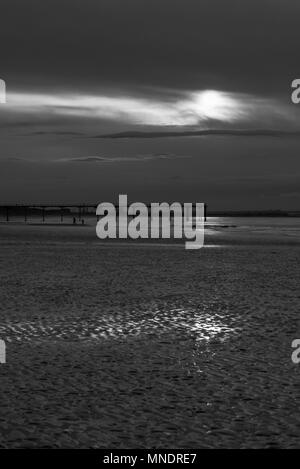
(215, 105)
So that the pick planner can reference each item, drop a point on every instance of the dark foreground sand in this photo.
(148, 346)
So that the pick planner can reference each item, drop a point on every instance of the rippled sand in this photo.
(148, 346)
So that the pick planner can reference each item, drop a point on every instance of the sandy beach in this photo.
(148, 346)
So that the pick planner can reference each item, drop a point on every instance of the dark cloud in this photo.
(120, 159)
(186, 44)
(57, 132)
(204, 133)
(97, 159)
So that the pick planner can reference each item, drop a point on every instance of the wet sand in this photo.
(148, 346)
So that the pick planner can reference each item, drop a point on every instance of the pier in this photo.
(42, 211)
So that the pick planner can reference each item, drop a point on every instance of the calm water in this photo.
(239, 222)
(263, 222)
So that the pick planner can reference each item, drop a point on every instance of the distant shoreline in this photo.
(20, 211)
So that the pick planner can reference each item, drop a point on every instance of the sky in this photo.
(164, 100)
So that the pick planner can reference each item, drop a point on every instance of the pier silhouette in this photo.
(7, 211)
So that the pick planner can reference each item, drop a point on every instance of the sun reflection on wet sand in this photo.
(188, 323)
